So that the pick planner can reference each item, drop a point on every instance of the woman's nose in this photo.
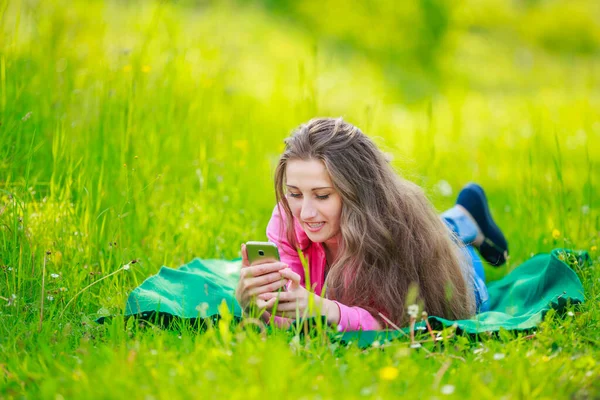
(308, 211)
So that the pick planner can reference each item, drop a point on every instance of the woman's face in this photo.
(313, 200)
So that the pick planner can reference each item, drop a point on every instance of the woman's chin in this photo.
(316, 237)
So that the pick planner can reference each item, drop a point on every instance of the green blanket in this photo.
(519, 301)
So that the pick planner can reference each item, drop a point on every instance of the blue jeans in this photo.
(466, 230)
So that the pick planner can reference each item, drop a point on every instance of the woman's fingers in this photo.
(262, 280)
(245, 262)
(269, 287)
(291, 275)
(287, 306)
(282, 296)
(262, 304)
(262, 269)
(288, 314)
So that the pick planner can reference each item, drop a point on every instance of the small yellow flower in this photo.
(241, 145)
(388, 373)
(146, 69)
(555, 233)
(594, 248)
(58, 257)
(127, 68)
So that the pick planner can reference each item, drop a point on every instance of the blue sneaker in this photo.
(494, 248)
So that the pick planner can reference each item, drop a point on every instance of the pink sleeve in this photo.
(289, 255)
(356, 318)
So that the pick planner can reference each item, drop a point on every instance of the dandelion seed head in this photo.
(413, 310)
(447, 389)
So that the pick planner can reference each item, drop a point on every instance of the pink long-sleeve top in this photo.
(351, 318)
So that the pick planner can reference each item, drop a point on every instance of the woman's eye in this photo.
(325, 197)
(294, 195)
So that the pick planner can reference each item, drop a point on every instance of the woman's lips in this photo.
(314, 227)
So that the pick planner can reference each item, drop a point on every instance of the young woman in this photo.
(370, 237)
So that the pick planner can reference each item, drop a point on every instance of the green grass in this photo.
(149, 131)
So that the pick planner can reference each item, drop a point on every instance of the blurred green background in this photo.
(149, 130)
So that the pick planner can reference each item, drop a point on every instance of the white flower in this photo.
(585, 209)
(11, 300)
(570, 314)
(443, 188)
(447, 389)
(415, 345)
(413, 310)
(54, 276)
(202, 308)
(126, 267)
(50, 298)
(499, 356)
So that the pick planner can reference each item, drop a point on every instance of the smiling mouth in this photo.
(314, 226)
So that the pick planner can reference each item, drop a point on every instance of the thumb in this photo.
(245, 262)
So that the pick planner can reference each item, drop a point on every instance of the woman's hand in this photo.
(295, 301)
(257, 279)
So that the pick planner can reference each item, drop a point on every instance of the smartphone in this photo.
(263, 251)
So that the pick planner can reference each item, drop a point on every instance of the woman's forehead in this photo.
(307, 174)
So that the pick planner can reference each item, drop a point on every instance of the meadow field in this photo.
(148, 131)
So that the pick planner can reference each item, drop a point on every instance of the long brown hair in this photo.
(392, 237)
